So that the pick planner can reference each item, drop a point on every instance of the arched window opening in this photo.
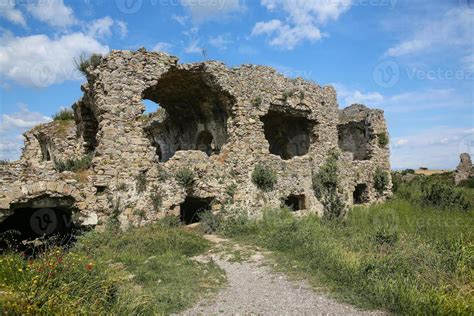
(193, 113)
(288, 135)
(354, 137)
(205, 142)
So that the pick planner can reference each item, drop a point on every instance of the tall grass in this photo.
(396, 256)
(142, 271)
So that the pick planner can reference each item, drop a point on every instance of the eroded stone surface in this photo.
(465, 169)
(217, 121)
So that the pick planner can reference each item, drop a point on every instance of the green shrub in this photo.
(230, 190)
(209, 222)
(381, 180)
(468, 183)
(383, 139)
(326, 187)
(74, 165)
(234, 222)
(139, 213)
(4, 162)
(185, 177)
(444, 196)
(83, 63)
(287, 94)
(63, 115)
(140, 182)
(408, 171)
(264, 177)
(156, 199)
(257, 102)
(170, 221)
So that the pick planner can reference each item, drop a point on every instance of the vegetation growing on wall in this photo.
(264, 177)
(326, 187)
(75, 165)
(83, 63)
(381, 180)
(63, 115)
(185, 177)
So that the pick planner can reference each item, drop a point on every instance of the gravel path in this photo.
(253, 288)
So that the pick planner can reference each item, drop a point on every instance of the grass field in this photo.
(403, 256)
(142, 271)
(411, 255)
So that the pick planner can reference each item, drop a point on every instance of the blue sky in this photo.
(414, 59)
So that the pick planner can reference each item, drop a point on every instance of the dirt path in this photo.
(253, 288)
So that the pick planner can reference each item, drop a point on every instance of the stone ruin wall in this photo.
(219, 122)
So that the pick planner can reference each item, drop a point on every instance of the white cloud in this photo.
(181, 19)
(40, 61)
(22, 120)
(8, 11)
(220, 41)
(303, 19)
(162, 47)
(194, 47)
(453, 29)
(437, 148)
(101, 27)
(11, 128)
(266, 27)
(53, 12)
(204, 10)
(405, 102)
(123, 29)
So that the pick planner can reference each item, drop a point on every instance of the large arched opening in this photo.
(193, 113)
(38, 218)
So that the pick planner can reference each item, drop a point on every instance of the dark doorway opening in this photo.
(361, 194)
(296, 202)
(204, 142)
(27, 224)
(192, 207)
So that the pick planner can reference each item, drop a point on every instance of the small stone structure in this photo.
(217, 121)
(464, 170)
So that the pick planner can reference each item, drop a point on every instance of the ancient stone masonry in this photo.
(213, 125)
(464, 170)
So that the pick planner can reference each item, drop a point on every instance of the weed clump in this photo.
(83, 63)
(73, 165)
(264, 177)
(256, 102)
(140, 182)
(185, 177)
(383, 139)
(63, 115)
